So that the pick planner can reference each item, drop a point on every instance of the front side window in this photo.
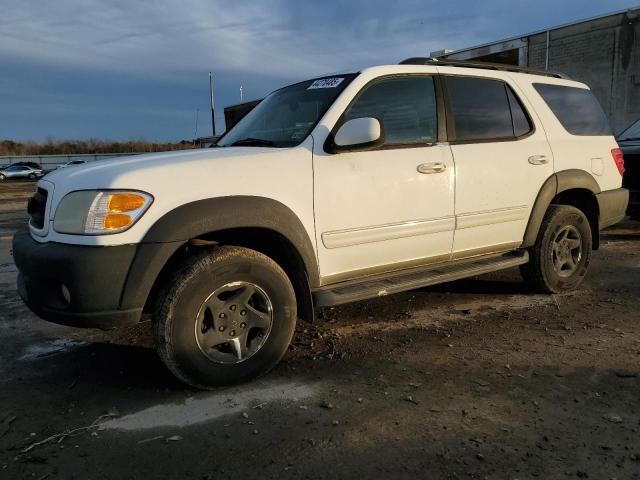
(287, 116)
(577, 109)
(404, 106)
(485, 109)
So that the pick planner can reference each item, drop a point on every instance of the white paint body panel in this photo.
(496, 186)
(373, 208)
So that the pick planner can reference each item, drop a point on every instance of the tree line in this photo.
(52, 146)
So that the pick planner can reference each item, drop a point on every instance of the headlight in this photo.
(91, 212)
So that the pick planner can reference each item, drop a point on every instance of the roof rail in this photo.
(485, 65)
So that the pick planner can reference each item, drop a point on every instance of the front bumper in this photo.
(612, 205)
(94, 277)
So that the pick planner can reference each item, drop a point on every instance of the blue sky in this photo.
(121, 69)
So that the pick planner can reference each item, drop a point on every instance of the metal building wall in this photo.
(603, 52)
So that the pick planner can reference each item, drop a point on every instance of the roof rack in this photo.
(485, 65)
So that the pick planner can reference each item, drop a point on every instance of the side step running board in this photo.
(378, 286)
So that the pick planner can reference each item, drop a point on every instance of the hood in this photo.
(140, 171)
(176, 178)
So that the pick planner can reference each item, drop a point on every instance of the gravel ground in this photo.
(480, 378)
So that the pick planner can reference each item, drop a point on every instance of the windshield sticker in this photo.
(325, 83)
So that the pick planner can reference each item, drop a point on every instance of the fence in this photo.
(50, 162)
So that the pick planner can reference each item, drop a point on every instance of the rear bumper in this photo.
(94, 278)
(613, 206)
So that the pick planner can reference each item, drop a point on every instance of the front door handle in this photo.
(538, 159)
(431, 167)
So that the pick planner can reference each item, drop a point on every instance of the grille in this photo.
(36, 208)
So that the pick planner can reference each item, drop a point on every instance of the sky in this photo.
(132, 69)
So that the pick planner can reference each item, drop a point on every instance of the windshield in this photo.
(285, 117)
(632, 132)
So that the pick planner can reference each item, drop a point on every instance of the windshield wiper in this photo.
(253, 142)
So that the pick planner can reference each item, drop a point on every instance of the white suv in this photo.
(332, 190)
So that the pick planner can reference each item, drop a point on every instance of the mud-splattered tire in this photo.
(560, 257)
(228, 315)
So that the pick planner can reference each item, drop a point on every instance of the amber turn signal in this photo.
(125, 202)
(114, 221)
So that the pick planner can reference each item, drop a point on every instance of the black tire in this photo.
(32, 176)
(542, 272)
(2, 177)
(180, 306)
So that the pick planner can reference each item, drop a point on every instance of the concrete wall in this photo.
(603, 53)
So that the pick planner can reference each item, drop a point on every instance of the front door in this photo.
(392, 207)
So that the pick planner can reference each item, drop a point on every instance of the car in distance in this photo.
(629, 141)
(71, 163)
(332, 190)
(20, 171)
(33, 165)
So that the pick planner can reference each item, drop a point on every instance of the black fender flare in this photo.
(557, 183)
(205, 216)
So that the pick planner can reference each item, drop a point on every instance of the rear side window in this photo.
(405, 106)
(577, 109)
(485, 109)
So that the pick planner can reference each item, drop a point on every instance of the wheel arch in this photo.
(262, 224)
(568, 187)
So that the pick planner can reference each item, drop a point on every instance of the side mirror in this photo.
(358, 134)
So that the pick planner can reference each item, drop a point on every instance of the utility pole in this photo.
(195, 135)
(241, 94)
(213, 114)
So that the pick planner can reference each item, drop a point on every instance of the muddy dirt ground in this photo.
(480, 378)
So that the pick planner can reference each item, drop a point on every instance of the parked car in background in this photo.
(72, 163)
(629, 141)
(33, 165)
(20, 171)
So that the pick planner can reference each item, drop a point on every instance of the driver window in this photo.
(405, 107)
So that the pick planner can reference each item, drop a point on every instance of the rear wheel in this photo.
(560, 257)
(229, 315)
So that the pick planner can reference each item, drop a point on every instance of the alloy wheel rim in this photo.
(566, 251)
(234, 322)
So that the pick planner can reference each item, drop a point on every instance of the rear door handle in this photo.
(431, 167)
(538, 159)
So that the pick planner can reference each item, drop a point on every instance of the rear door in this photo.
(502, 158)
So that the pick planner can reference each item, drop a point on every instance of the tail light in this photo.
(618, 157)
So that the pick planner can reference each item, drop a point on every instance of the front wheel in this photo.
(2, 177)
(32, 176)
(229, 315)
(560, 257)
